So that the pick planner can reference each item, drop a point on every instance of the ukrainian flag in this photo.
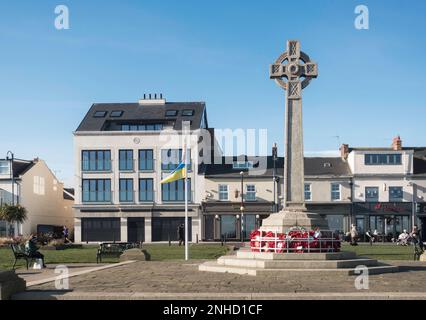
(177, 174)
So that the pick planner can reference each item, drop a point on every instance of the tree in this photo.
(13, 213)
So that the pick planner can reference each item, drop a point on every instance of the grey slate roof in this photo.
(419, 161)
(21, 166)
(69, 193)
(329, 166)
(142, 112)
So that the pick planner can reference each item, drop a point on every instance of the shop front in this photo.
(388, 220)
(337, 215)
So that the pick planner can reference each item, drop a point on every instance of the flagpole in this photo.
(186, 196)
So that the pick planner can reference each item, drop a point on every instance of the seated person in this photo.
(403, 238)
(32, 250)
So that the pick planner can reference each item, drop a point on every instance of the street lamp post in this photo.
(242, 206)
(12, 177)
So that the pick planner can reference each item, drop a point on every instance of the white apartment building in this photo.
(122, 152)
(35, 187)
(389, 187)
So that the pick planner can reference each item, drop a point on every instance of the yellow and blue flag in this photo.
(177, 174)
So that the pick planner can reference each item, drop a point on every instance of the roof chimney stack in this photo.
(344, 151)
(150, 99)
(397, 143)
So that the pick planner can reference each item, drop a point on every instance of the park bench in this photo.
(112, 250)
(19, 252)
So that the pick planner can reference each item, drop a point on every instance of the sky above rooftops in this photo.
(370, 86)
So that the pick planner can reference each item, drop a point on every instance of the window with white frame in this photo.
(308, 192)
(250, 192)
(4, 167)
(395, 194)
(223, 192)
(372, 194)
(335, 191)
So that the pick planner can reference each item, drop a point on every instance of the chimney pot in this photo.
(344, 151)
(397, 143)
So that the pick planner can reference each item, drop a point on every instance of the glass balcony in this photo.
(96, 165)
(99, 197)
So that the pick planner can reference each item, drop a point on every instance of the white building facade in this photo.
(122, 152)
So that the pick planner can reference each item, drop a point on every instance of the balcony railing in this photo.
(96, 165)
(97, 197)
(177, 197)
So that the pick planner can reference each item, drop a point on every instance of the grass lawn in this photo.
(162, 252)
(382, 252)
(159, 252)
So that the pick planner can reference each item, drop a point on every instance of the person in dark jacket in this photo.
(417, 241)
(181, 233)
(32, 250)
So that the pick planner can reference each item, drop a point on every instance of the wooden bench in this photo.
(110, 249)
(19, 252)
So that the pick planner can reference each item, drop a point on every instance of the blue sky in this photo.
(370, 88)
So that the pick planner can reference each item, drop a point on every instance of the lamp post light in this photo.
(12, 177)
(242, 206)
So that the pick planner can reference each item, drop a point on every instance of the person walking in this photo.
(354, 235)
(417, 241)
(181, 233)
(65, 234)
(370, 237)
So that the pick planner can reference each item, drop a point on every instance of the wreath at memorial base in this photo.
(296, 240)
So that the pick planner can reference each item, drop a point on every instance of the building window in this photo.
(174, 191)
(335, 191)
(4, 167)
(116, 114)
(146, 190)
(142, 127)
(242, 165)
(223, 192)
(126, 190)
(96, 190)
(188, 113)
(383, 159)
(39, 186)
(371, 194)
(171, 113)
(100, 114)
(250, 192)
(308, 192)
(395, 194)
(146, 160)
(126, 160)
(171, 158)
(96, 160)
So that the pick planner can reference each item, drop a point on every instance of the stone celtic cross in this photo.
(293, 77)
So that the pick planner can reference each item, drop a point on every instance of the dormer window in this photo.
(242, 165)
(171, 113)
(116, 114)
(188, 113)
(100, 114)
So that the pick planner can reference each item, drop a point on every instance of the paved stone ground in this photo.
(184, 277)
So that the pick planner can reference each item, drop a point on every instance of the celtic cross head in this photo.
(298, 71)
